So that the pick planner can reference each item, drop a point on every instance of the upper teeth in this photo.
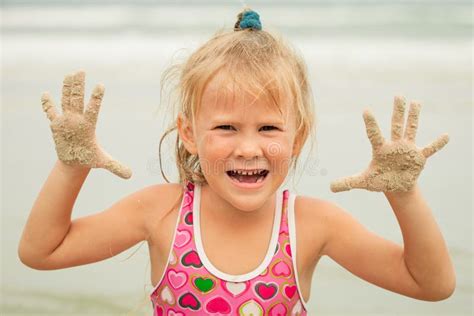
(247, 172)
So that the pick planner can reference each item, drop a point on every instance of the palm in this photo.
(396, 164)
(74, 130)
(75, 140)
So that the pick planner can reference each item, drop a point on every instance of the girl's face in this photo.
(237, 133)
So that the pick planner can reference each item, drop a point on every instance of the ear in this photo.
(186, 133)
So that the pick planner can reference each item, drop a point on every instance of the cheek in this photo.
(213, 145)
(279, 151)
(213, 151)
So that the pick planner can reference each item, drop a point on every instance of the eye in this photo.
(268, 127)
(225, 127)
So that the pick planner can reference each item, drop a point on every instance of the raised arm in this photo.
(422, 268)
(49, 224)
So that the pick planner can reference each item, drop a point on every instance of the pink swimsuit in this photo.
(191, 285)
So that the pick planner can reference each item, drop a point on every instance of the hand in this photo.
(395, 164)
(74, 130)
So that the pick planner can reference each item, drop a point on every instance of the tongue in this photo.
(247, 179)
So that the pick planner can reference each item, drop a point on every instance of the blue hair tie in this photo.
(248, 20)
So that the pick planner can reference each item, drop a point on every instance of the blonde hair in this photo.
(255, 60)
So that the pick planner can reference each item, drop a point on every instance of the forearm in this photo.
(425, 252)
(50, 216)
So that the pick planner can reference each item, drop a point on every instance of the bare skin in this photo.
(50, 240)
(396, 164)
(74, 130)
(421, 268)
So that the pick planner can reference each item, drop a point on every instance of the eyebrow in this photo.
(228, 120)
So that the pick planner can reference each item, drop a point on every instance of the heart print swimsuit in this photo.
(191, 285)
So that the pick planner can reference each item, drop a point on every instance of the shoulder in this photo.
(153, 203)
(158, 198)
(159, 202)
(315, 218)
(314, 210)
(163, 190)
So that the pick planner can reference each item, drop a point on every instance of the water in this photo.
(360, 54)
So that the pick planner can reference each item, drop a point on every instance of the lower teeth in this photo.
(239, 178)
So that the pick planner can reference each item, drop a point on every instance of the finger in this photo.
(345, 184)
(435, 146)
(93, 107)
(77, 92)
(66, 98)
(412, 121)
(397, 117)
(373, 130)
(48, 106)
(118, 169)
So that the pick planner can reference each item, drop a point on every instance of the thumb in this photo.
(115, 167)
(348, 183)
(339, 185)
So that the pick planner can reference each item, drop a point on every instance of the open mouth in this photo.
(248, 176)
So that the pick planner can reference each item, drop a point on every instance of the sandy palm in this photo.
(74, 130)
(396, 164)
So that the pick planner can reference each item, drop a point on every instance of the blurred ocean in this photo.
(359, 53)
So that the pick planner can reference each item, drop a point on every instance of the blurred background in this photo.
(360, 54)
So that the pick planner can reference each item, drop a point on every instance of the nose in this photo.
(248, 147)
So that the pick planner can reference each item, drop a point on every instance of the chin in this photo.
(244, 199)
(247, 206)
(248, 202)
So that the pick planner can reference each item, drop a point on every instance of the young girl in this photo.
(226, 239)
